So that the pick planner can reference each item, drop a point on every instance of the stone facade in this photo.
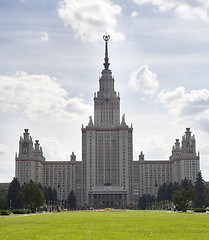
(107, 173)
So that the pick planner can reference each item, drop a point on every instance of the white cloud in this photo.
(194, 104)
(39, 97)
(90, 19)
(143, 80)
(183, 8)
(53, 149)
(44, 37)
(134, 14)
(172, 99)
(4, 149)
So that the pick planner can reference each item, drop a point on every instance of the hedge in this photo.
(200, 210)
(5, 212)
(20, 211)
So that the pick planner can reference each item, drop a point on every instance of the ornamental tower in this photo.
(107, 147)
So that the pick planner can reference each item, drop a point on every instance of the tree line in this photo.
(32, 196)
(182, 195)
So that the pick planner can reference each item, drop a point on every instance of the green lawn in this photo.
(106, 225)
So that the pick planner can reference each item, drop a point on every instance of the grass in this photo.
(88, 225)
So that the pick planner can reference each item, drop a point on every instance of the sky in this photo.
(52, 55)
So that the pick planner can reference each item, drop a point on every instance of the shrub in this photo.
(19, 211)
(5, 212)
(108, 209)
(200, 210)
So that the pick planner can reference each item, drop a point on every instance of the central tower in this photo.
(106, 100)
(107, 147)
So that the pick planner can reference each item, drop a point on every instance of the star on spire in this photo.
(106, 63)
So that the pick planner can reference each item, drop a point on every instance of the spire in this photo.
(106, 63)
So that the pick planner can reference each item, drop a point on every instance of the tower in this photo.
(30, 160)
(184, 159)
(107, 147)
(106, 100)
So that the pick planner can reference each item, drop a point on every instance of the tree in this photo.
(13, 200)
(86, 205)
(200, 190)
(186, 184)
(101, 205)
(131, 205)
(166, 190)
(3, 199)
(116, 205)
(142, 202)
(54, 196)
(72, 200)
(206, 195)
(145, 200)
(32, 196)
(50, 195)
(181, 198)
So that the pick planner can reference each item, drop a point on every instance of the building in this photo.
(5, 186)
(107, 173)
(32, 165)
(183, 163)
(107, 147)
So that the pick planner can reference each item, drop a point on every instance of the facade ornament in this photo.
(123, 120)
(90, 121)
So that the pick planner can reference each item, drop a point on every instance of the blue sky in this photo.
(52, 56)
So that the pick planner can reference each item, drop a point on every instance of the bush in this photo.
(5, 212)
(20, 211)
(200, 210)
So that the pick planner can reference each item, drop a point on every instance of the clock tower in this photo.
(188, 143)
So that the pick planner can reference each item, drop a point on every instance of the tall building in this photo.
(107, 147)
(107, 173)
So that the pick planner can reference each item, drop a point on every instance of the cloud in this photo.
(155, 146)
(53, 149)
(134, 14)
(194, 104)
(44, 37)
(183, 8)
(4, 149)
(143, 80)
(204, 155)
(39, 97)
(90, 19)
